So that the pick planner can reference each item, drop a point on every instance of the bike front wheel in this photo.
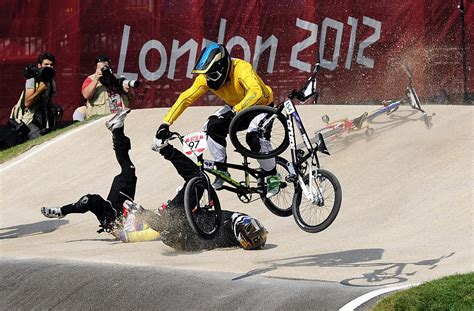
(318, 212)
(259, 132)
(202, 207)
(281, 203)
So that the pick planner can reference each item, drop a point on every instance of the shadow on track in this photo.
(41, 227)
(390, 272)
(382, 274)
(321, 260)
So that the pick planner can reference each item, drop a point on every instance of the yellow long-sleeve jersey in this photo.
(243, 89)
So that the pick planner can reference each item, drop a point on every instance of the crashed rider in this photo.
(129, 222)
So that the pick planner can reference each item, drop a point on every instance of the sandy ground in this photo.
(406, 215)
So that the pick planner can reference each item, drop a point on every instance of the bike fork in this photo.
(312, 192)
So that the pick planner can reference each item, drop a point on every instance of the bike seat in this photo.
(359, 121)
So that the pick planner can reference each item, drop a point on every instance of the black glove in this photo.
(163, 132)
(227, 115)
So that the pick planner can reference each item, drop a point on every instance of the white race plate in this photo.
(194, 144)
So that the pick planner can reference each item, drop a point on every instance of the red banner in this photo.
(362, 45)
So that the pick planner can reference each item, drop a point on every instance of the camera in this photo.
(109, 80)
(45, 74)
(107, 72)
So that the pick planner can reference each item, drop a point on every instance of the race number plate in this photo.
(289, 106)
(194, 144)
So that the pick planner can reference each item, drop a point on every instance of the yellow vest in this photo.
(26, 115)
(98, 104)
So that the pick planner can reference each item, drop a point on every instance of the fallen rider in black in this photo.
(129, 222)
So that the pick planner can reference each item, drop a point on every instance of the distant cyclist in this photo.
(239, 86)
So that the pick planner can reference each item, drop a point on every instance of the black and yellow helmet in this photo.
(214, 63)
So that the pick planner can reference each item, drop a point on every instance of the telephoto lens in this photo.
(131, 83)
(46, 74)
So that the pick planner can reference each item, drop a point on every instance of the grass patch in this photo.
(15, 151)
(449, 293)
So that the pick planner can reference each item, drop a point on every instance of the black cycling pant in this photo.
(94, 203)
(218, 129)
(125, 183)
(185, 167)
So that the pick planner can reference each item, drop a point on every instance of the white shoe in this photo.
(158, 144)
(52, 212)
(117, 120)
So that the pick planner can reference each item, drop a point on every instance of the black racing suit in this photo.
(123, 186)
(172, 223)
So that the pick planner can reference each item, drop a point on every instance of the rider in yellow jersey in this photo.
(243, 89)
(239, 86)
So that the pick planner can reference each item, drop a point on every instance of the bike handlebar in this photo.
(174, 135)
(299, 95)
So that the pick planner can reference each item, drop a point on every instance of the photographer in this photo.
(105, 93)
(34, 114)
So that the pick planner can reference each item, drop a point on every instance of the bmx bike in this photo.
(334, 129)
(320, 188)
(201, 202)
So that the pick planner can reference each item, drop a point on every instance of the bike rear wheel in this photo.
(316, 216)
(202, 207)
(281, 203)
(250, 123)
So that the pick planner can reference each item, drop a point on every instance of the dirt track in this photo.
(407, 210)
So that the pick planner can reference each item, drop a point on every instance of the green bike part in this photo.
(225, 177)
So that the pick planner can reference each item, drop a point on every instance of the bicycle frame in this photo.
(338, 127)
(292, 117)
(242, 189)
(391, 107)
(313, 195)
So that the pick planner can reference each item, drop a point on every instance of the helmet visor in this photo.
(209, 56)
(253, 235)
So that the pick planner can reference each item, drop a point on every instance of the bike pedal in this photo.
(244, 198)
(290, 178)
